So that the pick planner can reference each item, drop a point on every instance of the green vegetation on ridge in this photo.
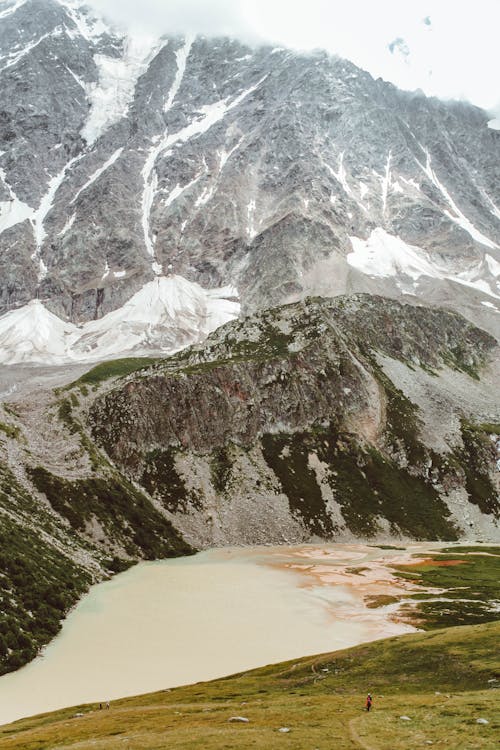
(38, 583)
(125, 514)
(11, 431)
(477, 452)
(161, 480)
(113, 368)
(366, 484)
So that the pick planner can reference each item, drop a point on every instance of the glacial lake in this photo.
(174, 622)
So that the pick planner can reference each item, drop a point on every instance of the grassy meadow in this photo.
(443, 681)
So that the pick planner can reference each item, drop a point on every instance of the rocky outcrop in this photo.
(288, 425)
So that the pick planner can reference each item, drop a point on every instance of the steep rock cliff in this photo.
(296, 423)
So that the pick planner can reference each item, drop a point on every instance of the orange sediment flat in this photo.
(360, 573)
(435, 563)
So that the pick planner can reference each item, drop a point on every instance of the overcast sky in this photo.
(448, 48)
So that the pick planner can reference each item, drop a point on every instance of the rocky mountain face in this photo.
(275, 174)
(306, 421)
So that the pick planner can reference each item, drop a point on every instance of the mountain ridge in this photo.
(302, 377)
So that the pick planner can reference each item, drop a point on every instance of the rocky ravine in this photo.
(354, 418)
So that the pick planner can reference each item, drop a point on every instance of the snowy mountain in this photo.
(125, 160)
(167, 314)
(34, 334)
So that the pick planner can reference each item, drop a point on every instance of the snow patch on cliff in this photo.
(209, 115)
(11, 9)
(15, 57)
(89, 27)
(13, 211)
(384, 255)
(39, 216)
(181, 55)
(32, 334)
(455, 214)
(98, 173)
(167, 314)
(111, 96)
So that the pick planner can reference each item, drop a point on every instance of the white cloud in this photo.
(218, 18)
(446, 48)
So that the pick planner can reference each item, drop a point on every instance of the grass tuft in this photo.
(113, 369)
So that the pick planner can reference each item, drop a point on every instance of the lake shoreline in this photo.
(229, 610)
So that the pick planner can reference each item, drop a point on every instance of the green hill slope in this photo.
(443, 681)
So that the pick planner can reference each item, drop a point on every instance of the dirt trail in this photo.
(356, 738)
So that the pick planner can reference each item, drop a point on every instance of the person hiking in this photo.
(369, 701)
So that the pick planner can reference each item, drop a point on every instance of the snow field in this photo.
(166, 314)
(384, 255)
